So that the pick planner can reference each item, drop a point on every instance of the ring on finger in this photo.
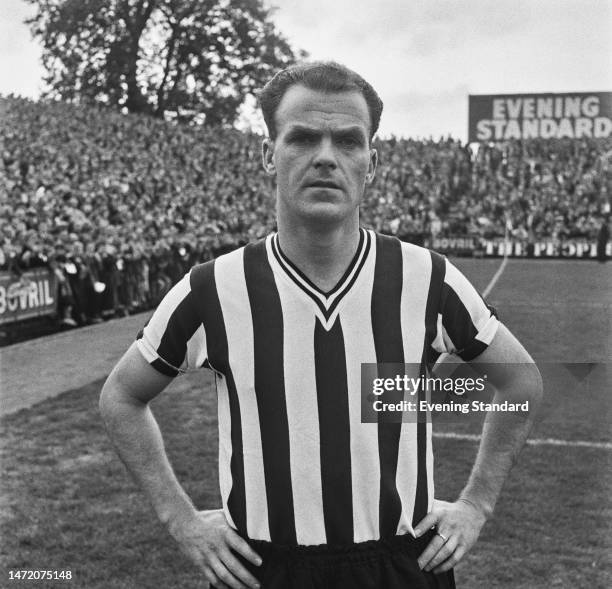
(442, 536)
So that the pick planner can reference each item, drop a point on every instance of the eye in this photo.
(349, 141)
(302, 138)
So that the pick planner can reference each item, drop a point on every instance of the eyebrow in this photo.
(342, 131)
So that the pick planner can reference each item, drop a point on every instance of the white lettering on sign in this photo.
(49, 300)
(544, 108)
(513, 130)
(33, 295)
(602, 127)
(483, 130)
(499, 111)
(514, 107)
(501, 130)
(530, 128)
(572, 107)
(584, 128)
(25, 296)
(565, 128)
(590, 106)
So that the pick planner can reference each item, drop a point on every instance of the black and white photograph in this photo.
(306, 295)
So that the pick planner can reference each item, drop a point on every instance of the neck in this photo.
(321, 252)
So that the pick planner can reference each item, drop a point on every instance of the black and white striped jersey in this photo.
(296, 465)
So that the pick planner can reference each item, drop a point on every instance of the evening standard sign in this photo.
(527, 116)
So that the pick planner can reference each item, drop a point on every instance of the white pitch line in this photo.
(534, 442)
(502, 266)
(495, 278)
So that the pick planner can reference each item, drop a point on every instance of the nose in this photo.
(325, 156)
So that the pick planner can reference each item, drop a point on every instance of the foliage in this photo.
(197, 59)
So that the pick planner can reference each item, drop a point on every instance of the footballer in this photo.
(311, 496)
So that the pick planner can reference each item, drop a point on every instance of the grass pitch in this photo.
(68, 504)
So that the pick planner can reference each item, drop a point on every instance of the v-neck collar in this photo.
(326, 301)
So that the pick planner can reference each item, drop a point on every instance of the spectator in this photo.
(121, 206)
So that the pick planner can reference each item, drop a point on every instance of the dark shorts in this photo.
(378, 564)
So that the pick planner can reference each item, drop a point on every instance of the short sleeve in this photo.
(173, 340)
(466, 325)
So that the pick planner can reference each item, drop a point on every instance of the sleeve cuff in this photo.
(155, 360)
(482, 340)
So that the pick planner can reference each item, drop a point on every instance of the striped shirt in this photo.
(296, 464)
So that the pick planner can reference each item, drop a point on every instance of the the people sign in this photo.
(575, 115)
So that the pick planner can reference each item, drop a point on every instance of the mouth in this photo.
(323, 184)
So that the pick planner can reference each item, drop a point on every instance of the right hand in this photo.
(210, 542)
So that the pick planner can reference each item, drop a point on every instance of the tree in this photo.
(195, 58)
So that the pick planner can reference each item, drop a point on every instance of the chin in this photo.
(326, 213)
(319, 207)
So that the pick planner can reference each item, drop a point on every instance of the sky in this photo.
(424, 57)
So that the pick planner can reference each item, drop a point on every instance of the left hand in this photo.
(457, 525)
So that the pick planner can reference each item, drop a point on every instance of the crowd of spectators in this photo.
(535, 189)
(120, 206)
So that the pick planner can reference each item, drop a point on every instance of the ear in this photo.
(372, 166)
(267, 155)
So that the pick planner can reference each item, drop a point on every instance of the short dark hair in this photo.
(324, 76)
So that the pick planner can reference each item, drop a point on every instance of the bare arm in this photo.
(204, 536)
(136, 436)
(512, 372)
(517, 379)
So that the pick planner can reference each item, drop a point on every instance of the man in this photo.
(603, 236)
(311, 496)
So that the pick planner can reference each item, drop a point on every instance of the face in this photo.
(321, 156)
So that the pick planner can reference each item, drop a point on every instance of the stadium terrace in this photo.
(107, 211)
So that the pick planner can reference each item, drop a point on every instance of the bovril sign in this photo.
(32, 294)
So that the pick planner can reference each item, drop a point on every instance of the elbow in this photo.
(529, 387)
(115, 401)
(536, 386)
(107, 401)
(522, 382)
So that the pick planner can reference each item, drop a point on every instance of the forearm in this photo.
(503, 436)
(137, 439)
